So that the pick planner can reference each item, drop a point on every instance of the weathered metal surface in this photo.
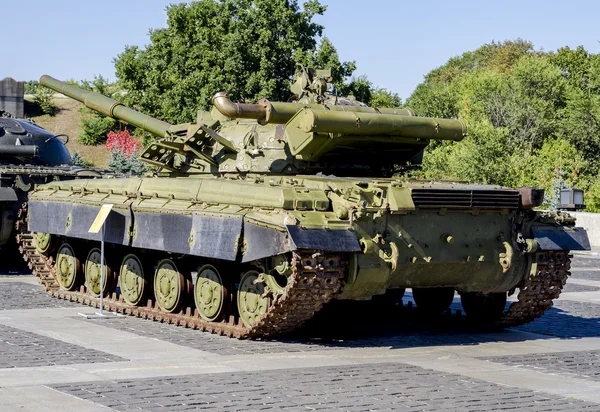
(198, 235)
(261, 241)
(323, 239)
(74, 220)
(561, 238)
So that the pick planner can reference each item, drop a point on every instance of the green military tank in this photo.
(259, 214)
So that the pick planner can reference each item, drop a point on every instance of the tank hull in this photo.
(380, 235)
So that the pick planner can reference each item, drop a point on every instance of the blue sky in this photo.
(395, 43)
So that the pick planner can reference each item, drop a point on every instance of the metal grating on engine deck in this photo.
(466, 199)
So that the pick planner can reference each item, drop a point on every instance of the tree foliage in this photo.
(248, 48)
(533, 117)
(95, 126)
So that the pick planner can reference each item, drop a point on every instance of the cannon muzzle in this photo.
(107, 106)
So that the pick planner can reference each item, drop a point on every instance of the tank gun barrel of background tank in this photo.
(19, 151)
(107, 106)
(265, 111)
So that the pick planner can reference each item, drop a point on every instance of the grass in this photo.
(67, 121)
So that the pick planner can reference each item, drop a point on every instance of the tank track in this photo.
(316, 278)
(536, 295)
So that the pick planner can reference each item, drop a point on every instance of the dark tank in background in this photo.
(29, 155)
(259, 214)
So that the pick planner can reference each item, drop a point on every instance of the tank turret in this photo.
(24, 142)
(317, 133)
(29, 154)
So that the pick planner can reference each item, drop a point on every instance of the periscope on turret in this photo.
(261, 213)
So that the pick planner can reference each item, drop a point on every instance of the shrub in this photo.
(122, 141)
(78, 160)
(43, 98)
(94, 130)
(120, 162)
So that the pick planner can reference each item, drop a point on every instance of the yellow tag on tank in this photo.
(100, 218)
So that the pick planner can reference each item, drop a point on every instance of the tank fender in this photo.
(261, 240)
(323, 239)
(561, 238)
(74, 220)
(208, 235)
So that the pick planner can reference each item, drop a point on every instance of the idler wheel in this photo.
(483, 307)
(68, 268)
(92, 274)
(132, 280)
(251, 299)
(433, 301)
(210, 294)
(169, 286)
(44, 243)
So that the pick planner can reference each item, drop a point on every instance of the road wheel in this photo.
(132, 280)
(68, 268)
(433, 301)
(483, 307)
(169, 286)
(252, 301)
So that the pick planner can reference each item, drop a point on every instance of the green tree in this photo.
(533, 117)
(381, 97)
(243, 47)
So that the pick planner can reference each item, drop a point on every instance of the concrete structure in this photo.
(591, 223)
(11, 97)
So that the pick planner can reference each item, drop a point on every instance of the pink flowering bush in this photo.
(123, 142)
(122, 148)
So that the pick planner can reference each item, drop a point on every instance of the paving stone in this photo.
(20, 295)
(573, 287)
(585, 274)
(583, 261)
(346, 388)
(581, 364)
(22, 349)
(567, 319)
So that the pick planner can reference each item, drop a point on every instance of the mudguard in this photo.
(561, 238)
(74, 220)
(323, 239)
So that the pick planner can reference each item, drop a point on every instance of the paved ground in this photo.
(53, 359)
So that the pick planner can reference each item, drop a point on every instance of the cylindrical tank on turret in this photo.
(265, 111)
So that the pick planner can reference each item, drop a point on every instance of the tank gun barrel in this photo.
(19, 151)
(107, 106)
(265, 111)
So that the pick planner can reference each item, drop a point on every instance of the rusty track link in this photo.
(536, 295)
(315, 279)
